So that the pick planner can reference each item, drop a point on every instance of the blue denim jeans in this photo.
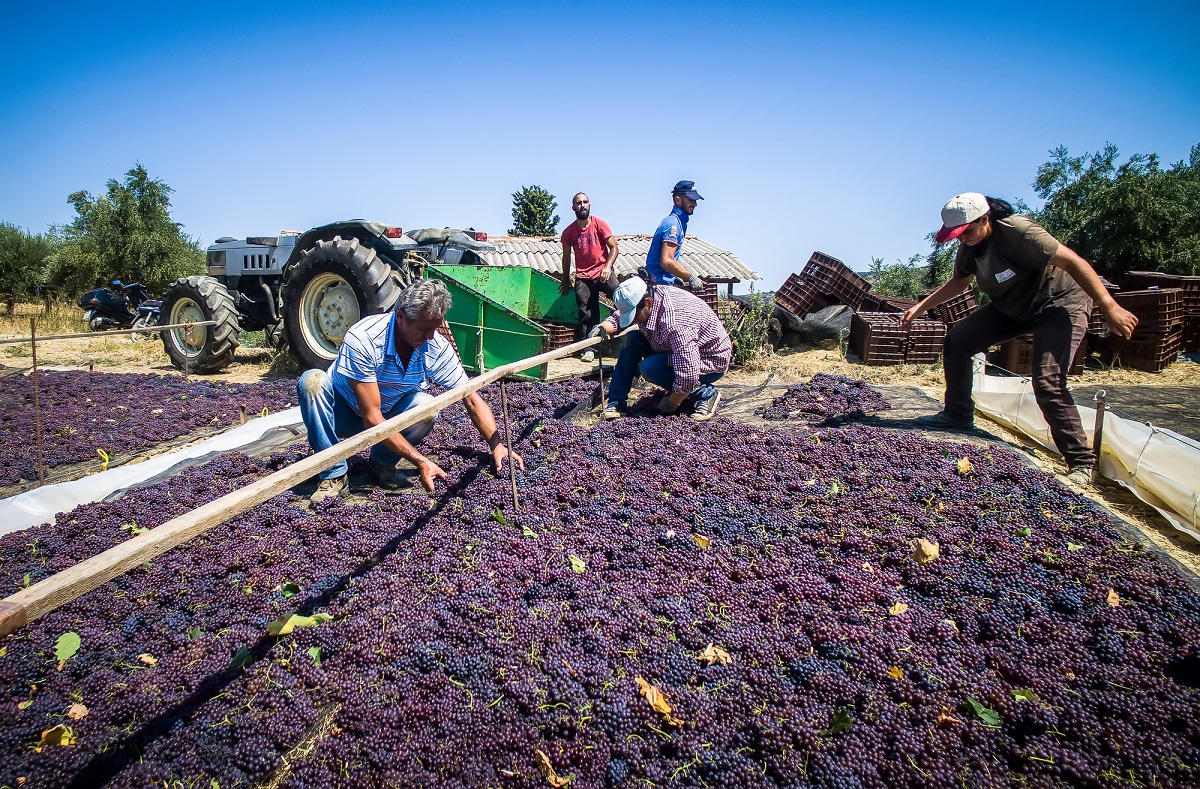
(637, 357)
(328, 418)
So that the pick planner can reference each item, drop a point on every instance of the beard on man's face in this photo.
(582, 212)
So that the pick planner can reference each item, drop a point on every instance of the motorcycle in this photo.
(125, 306)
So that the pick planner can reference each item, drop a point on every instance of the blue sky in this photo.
(834, 126)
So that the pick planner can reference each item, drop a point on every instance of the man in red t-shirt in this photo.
(595, 248)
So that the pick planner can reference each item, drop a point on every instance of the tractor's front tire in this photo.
(206, 349)
(327, 290)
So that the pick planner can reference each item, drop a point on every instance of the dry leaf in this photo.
(1113, 598)
(702, 541)
(148, 659)
(895, 673)
(941, 507)
(670, 533)
(946, 717)
(59, 735)
(1069, 674)
(25, 704)
(867, 568)
(570, 668)
(926, 551)
(714, 655)
(77, 712)
(952, 624)
(547, 769)
(898, 609)
(964, 467)
(658, 701)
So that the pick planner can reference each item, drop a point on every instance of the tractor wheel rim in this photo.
(328, 307)
(190, 340)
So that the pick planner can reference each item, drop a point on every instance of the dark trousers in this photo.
(1056, 336)
(638, 358)
(587, 297)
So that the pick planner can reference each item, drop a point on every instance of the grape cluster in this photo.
(119, 413)
(1038, 648)
(826, 398)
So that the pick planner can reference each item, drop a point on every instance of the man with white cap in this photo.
(682, 347)
(1036, 285)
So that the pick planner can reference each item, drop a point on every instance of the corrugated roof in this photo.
(545, 254)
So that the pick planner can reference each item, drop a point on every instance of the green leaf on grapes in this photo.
(1024, 532)
(986, 714)
(241, 657)
(194, 633)
(1075, 547)
(833, 488)
(498, 517)
(68, 644)
(315, 654)
(528, 532)
(1024, 695)
(842, 720)
(577, 564)
(289, 590)
(289, 622)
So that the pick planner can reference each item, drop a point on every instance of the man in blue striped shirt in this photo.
(382, 369)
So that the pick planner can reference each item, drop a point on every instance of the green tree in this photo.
(22, 263)
(1124, 217)
(533, 212)
(126, 233)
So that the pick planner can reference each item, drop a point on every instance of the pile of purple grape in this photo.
(827, 399)
(118, 413)
(704, 604)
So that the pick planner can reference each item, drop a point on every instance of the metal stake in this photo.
(37, 408)
(1098, 433)
(512, 468)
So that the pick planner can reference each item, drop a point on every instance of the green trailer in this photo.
(501, 314)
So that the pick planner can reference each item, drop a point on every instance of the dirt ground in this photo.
(761, 380)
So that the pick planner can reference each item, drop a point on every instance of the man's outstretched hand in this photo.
(500, 453)
(430, 472)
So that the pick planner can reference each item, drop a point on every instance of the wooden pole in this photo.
(508, 443)
(61, 588)
(37, 407)
(93, 335)
(1098, 432)
(242, 414)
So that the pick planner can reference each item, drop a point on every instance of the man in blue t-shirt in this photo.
(662, 261)
(382, 369)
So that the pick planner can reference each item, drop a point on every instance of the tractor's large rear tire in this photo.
(327, 290)
(205, 348)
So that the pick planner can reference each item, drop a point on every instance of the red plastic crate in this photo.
(1150, 353)
(558, 335)
(877, 339)
(834, 278)
(1158, 310)
(799, 296)
(954, 310)
(1016, 356)
(444, 330)
(1191, 333)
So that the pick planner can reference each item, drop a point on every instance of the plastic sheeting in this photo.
(42, 504)
(1161, 467)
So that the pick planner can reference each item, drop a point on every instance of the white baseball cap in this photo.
(627, 297)
(960, 211)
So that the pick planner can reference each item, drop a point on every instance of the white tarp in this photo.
(40, 505)
(1160, 466)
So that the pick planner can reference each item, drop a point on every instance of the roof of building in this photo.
(545, 254)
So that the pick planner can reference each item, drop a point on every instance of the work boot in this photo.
(1081, 475)
(612, 411)
(335, 488)
(706, 409)
(388, 477)
(940, 421)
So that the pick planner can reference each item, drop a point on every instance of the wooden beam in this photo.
(61, 588)
(97, 334)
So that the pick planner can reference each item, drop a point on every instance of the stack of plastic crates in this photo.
(1016, 356)
(1160, 333)
(824, 280)
(877, 339)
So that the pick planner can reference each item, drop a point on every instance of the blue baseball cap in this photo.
(687, 189)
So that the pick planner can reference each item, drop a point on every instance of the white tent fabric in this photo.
(40, 505)
(1160, 466)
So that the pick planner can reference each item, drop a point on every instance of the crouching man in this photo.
(682, 346)
(382, 369)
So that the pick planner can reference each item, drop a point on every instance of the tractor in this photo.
(304, 290)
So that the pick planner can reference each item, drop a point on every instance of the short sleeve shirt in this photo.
(589, 245)
(672, 229)
(368, 354)
(1012, 266)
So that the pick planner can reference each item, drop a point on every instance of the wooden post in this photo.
(91, 367)
(37, 407)
(61, 588)
(242, 414)
(185, 354)
(1098, 432)
(512, 468)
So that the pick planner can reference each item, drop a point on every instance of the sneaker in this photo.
(388, 477)
(706, 409)
(330, 489)
(588, 356)
(1081, 475)
(940, 421)
(612, 411)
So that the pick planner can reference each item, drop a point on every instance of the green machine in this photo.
(501, 314)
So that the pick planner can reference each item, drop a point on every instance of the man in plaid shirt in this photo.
(682, 347)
